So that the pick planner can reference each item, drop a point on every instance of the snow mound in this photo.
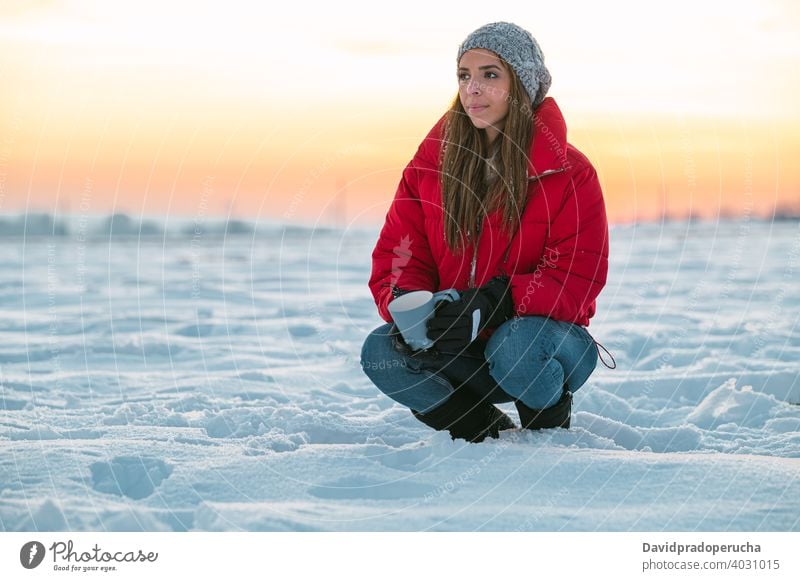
(48, 517)
(730, 405)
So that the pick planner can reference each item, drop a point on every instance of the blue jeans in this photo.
(527, 359)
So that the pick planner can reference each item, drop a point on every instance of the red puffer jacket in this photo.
(557, 261)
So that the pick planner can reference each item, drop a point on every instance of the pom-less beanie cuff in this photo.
(519, 49)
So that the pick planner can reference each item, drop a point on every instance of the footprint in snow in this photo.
(406, 458)
(133, 476)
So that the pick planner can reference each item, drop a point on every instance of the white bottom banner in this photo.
(356, 556)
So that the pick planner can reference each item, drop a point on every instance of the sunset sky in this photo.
(310, 112)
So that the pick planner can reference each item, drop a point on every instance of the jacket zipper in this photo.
(474, 266)
(546, 173)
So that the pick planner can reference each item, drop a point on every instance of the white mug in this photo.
(411, 312)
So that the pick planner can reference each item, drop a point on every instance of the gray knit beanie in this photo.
(519, 49)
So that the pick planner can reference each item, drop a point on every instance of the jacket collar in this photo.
(548, 153)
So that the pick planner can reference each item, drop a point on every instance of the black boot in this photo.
(556, 416)
(466, 416)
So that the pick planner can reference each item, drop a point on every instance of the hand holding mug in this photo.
(411, 312)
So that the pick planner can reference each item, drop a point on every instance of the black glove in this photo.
(455, 325)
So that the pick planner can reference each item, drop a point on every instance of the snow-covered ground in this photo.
(208, 383)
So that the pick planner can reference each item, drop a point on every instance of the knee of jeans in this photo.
(514, 351)
(377, 351)
(585, 367)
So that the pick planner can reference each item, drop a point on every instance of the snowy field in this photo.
(203, 382)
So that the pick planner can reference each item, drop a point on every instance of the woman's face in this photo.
(483, 87)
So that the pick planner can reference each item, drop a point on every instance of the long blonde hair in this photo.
(466, 196)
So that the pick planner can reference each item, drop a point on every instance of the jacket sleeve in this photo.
(574, 266)
(402, 257)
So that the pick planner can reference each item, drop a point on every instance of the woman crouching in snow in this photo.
(497, 205)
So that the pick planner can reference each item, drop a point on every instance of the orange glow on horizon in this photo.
(209, 111)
